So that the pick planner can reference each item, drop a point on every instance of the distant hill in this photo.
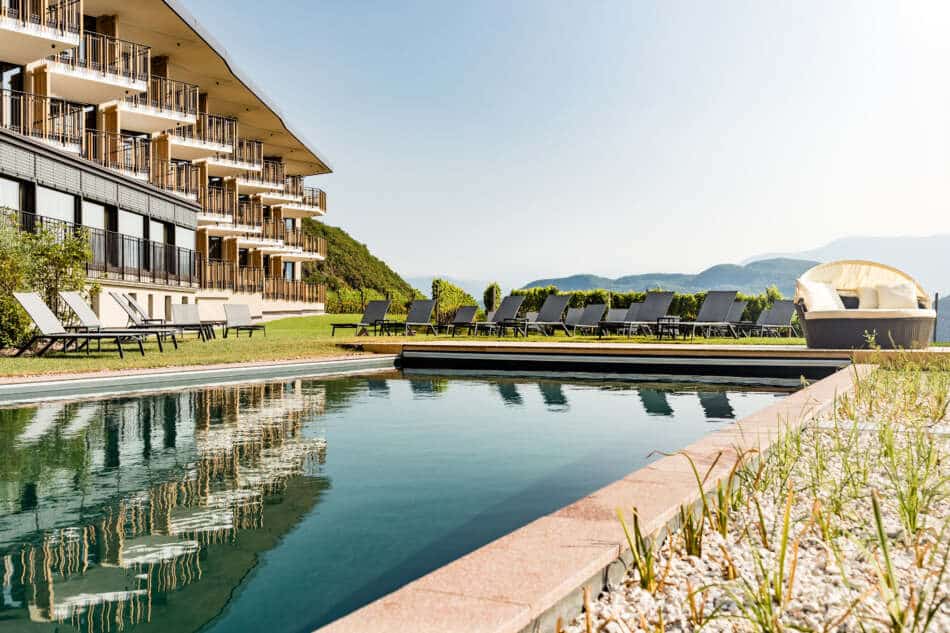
(927, 259)
(350, 264)
(750, 278)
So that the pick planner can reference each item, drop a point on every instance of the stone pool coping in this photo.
(18, 389)
(523, 581)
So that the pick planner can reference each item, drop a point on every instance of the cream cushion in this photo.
(867, 298)
(906, 313)
(819, 295)
(899, 296)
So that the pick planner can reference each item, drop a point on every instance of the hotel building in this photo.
(127, 118)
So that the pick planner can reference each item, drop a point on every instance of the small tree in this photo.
(492, 297)
(46, 261)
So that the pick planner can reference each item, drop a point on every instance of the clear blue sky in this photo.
(515, 140)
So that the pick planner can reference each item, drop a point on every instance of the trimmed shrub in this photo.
(492, 296)
(449, 298)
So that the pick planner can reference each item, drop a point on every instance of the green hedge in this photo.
(449, 298)
(491, 298)
(685, 306)
(345, 300)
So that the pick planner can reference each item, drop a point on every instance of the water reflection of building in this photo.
(108, 506)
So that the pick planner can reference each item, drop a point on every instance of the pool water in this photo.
(283, 506)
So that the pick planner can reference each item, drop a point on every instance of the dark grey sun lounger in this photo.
(655, 306)
(89, 322)
(621, 319)
(591, 317)
(775, 320)
(506, 312)
(550, 316)
(186, 318)
(713, 313)
(237, 317)
(573, 316)
(419, 317)
(464, 318)
(373, 317)
(51, 330)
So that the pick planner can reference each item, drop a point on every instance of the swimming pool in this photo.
(282, 506)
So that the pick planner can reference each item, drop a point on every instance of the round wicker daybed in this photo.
(851, 304)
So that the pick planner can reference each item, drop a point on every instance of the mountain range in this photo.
(750, 278)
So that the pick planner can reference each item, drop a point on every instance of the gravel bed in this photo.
(888, 440)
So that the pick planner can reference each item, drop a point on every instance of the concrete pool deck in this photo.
(527, 579)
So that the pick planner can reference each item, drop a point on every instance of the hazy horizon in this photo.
(535, 139)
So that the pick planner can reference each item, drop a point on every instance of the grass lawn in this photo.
(287, 339)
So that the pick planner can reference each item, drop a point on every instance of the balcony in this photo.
(123, 257)
(165, 104)
(269, 177)
(217, 205)
(52, 121)
(178, 178)
(290, 243)
(250, 214)
(209, 136)
(246, 156)
(29, 30)
(101, 69)
(223, 275)
(310, 203)
(128, 155)
(278, 289)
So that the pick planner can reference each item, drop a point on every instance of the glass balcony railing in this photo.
(168, 95)
(48, 119)
(210, 128)
(108, 55)
(64, 16)
(129, 154)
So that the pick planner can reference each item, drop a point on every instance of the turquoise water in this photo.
(283, 506)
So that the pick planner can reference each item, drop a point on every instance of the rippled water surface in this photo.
(279, 507)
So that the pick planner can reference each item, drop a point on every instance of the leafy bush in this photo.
(46, 261)
(346, 300)
(449, 298)
(492, 297)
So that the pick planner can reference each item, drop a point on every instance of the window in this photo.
(131, 224)
(156, 232)
(288, 270)
(55, 204)
(93, 215)
(185, 238)
(11, 195)
(215, 250)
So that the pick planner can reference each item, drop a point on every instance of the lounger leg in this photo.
(118, 346)
(46, 347)
(141, 347)
(25, 347)
(158, 338)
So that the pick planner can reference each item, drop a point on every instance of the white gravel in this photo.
(831, 466)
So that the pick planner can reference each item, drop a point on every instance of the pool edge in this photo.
(523, 581)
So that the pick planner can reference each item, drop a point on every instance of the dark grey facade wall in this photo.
(27, 159)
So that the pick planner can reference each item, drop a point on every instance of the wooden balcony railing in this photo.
(178, 177)
(216, 200)
(270, 174)
(295, 237)
(41, 117)
(169, 95)
(119, 256)
(313, 197)
(108, 55)
(125, 153)
(294, 290)
(63, 15)
(249, 213)
(210, 128)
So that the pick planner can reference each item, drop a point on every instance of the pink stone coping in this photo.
(528, 577)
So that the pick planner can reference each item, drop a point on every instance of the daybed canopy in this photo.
(850, 274)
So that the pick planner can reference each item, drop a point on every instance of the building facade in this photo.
(128, 119)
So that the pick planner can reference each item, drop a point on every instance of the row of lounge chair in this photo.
(88, 328)
(720, 314)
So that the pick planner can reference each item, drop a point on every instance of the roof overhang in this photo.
(196, 57)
